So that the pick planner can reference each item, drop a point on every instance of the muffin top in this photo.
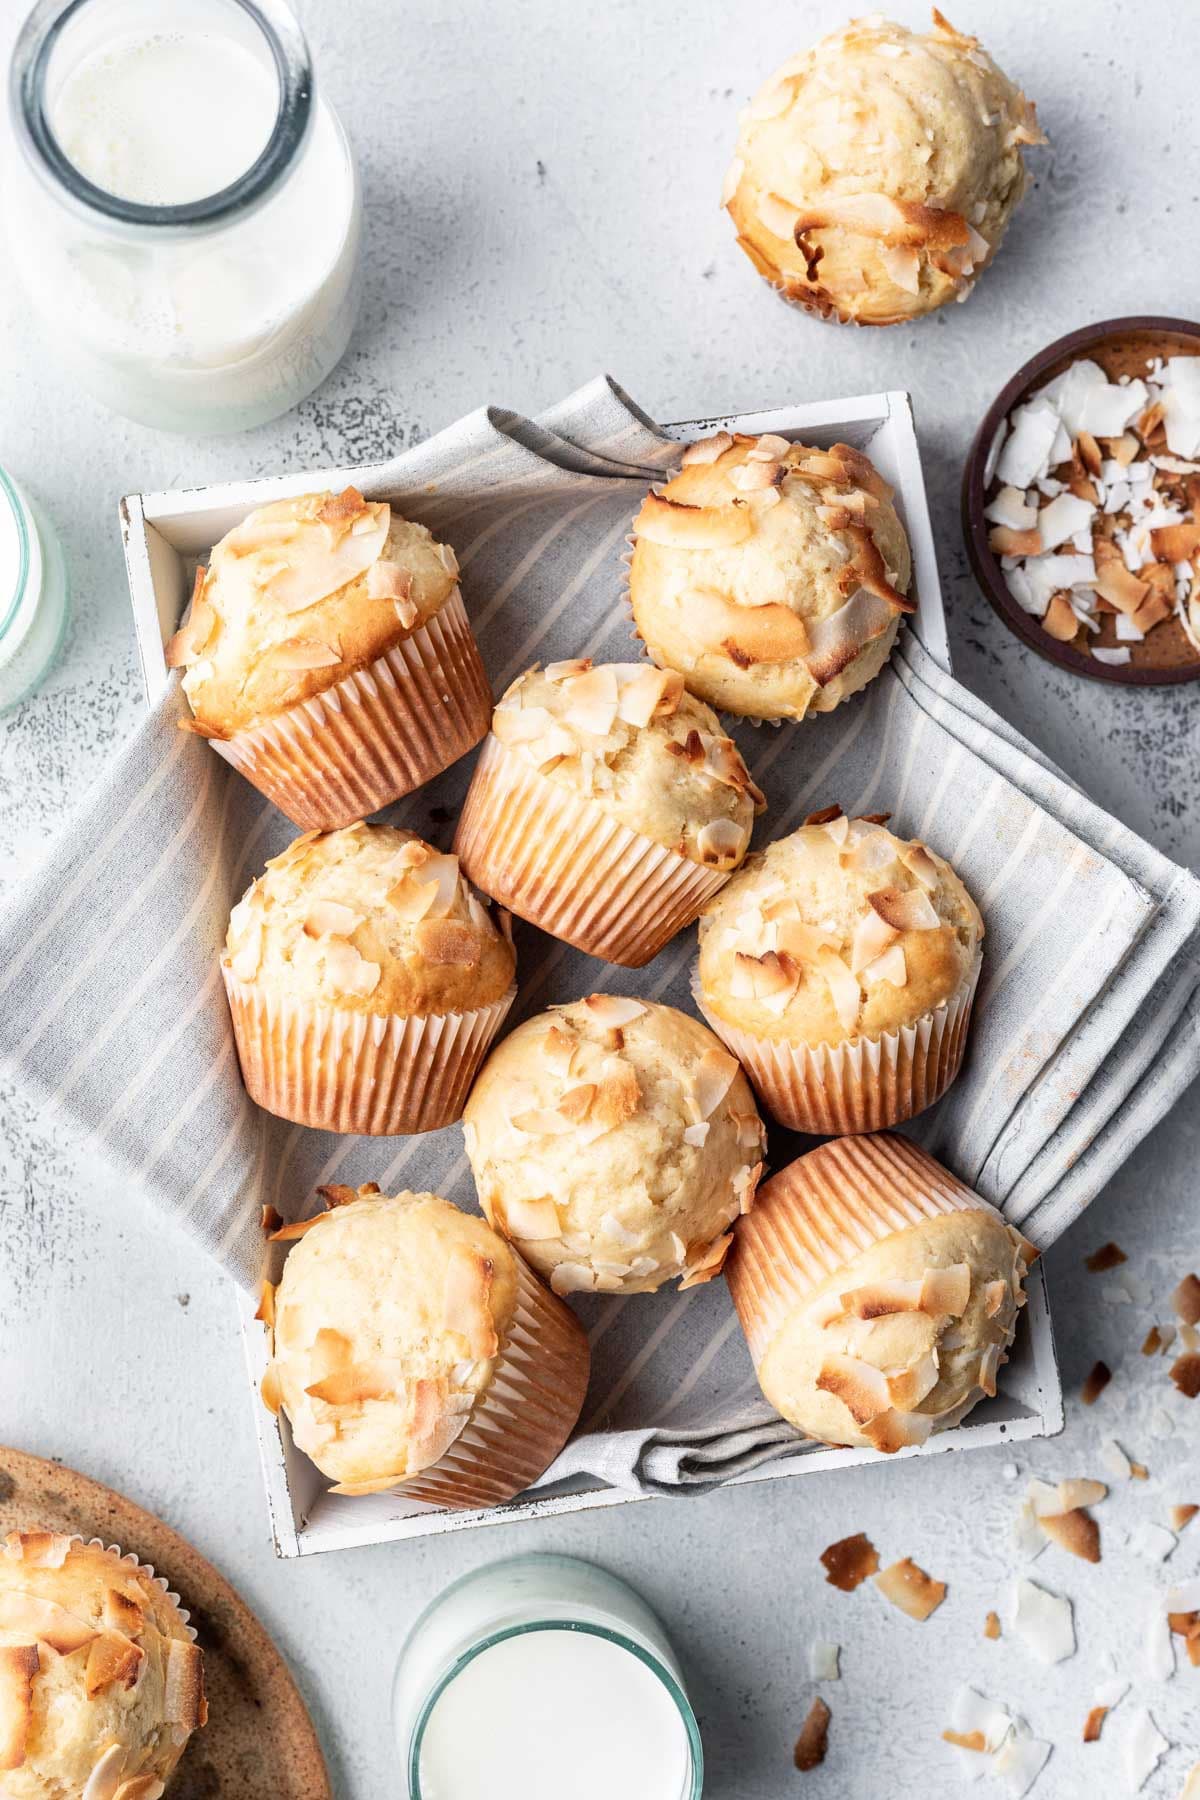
(839, 931)
(101, 1681)
(771, 575)
(298, 596)
(907, 1335)
(614, 1141)
(632, 738)
(369, 918)
(386, 1326)
(875, 174)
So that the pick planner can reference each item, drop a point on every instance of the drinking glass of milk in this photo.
(540, 1677)
(186, 212)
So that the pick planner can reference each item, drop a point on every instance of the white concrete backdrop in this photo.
(541, 188)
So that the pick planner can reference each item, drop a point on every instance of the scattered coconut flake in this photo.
(1043, 1621)
(1075, 1531)
(1097, 1381)
(1183, 1515)
(1094, 1723)
(1108, 1256)
(1154, 1543)
(1115, 1459)
(978, 1727)
(1160, 1650)
(1019, 1761)
(1191, 1785)
(1185, 1373)
(1185, 1301)
(1081, 1493)
(823, 1660)
(910, 1589)
(813, 1741)
(1142, 1749)
(849, 1562)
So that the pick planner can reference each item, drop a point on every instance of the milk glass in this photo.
(191, 311)
(544, 1675)
(33, 594)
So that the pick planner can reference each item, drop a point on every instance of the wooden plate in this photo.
(259, 1743)
(1121, 347)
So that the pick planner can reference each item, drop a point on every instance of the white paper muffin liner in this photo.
(375, 735)
(374, 1074)
(526, 1413)
(562, 862)
(865, 1084)
(821, 1213)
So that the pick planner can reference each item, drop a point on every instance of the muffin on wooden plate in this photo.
(366, 982)
(101, 1679)
(772, 575)
(839, 966)
(607, 807)
(878, 1295)
(413, 1349)
(327, 655)
(614, 1142)
(876, 173)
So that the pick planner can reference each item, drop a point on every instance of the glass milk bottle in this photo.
(543, 1677)
(185, 211)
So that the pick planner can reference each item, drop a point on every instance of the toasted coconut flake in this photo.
(1108, 1256)
(905, 909)
(823, 1660)
(183, 1690)
(849, 1562)
(112, 1661)
(966, 1740)
(1183, 1515)
(18, 1665)
(833, 643)
(843, 986)
(1185, 1373)
(813, 1741)
(44, 1621)
(532, 1219)
(613, 1011)
(1003, 540)
(995, 1293)
(139, 1787)
(1185, 1301)
(1116, 584)
(122, 1613)
(327, 918)
(862, 1388)
(572, 1278)
(1081, 1493)
(910, 1589)
(303, 653)
(1139, 1472)
(872, 936)
(1019, 1761)
(879, 1299)
(576, 1102)
(676, 526)
(1075, 1531)
(295, 1229)
(1059, 620)
(102, 1782)
(1094, 1723)
(1043, 1621)
(881, 216)
(712, 1079)
(751, 477)
(192, 640)
(448, 943)
(1176, 543)
(40, 1549)
(357, 1383)
(591, 700)
(707, 1263)
(896, 1430)
(388, 581)
(908, 1387)
(991, 1625)
(945, 1292)
(1152, 1343)
(707, 450)
(891, 966)
(618, 1097)
(720, 841)
(639, 699)
(1096, 1383)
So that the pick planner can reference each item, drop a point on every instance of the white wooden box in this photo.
(164, 534)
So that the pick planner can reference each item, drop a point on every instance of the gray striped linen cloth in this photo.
(1087, 1023)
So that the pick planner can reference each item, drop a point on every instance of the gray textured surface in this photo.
(541, 205)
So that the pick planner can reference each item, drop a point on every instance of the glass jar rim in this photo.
(645, 1656)
(27, 93)
(10, 603)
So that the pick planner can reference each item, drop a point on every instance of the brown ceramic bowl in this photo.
(1121, 347)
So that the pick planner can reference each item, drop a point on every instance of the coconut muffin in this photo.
(614, 1142)
(366, 981)
(772, 575)
(607, 806)
(839, 965)
(875, 174)
(878, 1294)
(412, 1347)
(327, 655)
(101, 1680)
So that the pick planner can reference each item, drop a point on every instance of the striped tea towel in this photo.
(1087, 1026)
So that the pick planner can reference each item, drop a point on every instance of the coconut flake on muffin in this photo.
(875, 174)
(772, 575)
(614, 1141)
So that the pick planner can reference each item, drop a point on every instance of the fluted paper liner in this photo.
(865, 1084)
(375, 735)
(562, 862)
(821, 1212)
(375, 1074)
(525, 1415)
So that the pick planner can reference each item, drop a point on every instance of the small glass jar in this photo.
(199, 314)
(544, 1674)
(33, 595)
